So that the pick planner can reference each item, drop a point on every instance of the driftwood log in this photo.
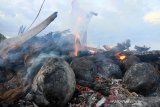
(13, 57)
(9, 44)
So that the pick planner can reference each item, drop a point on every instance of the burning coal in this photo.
(120, 56)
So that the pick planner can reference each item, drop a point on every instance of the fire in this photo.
(76, 39)
(121, 56)
(77, 36)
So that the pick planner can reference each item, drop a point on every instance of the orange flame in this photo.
(121, 56)
(76, 38)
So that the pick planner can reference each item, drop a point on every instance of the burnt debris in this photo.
(42, 71)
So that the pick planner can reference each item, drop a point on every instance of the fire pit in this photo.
(60, 69)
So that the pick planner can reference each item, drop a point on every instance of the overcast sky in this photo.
(117, 20)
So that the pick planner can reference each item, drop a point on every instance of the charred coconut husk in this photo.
(130, 61)
(54, 84)
(142, 78)
(88, 68)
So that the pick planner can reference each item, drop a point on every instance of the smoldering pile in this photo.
(43, 72)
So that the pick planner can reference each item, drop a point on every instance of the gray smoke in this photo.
(80, 21)
(54, 44)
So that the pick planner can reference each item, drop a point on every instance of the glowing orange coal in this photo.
(121, 56)
(98, 78)
(82, 89)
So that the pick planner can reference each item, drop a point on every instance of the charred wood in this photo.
(147, 56)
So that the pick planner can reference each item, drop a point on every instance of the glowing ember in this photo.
(82, 89)
(121, 56)
(98, 78)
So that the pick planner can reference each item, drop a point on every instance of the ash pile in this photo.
(56, 70)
